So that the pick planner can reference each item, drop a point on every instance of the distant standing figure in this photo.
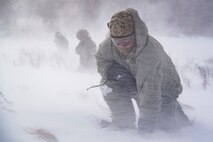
(61, 57)
(86, 49)
(61, 42)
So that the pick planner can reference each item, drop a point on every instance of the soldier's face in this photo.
(124, 44)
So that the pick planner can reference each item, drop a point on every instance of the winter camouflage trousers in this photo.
(120, 103)
(122, 110)
(171, 116)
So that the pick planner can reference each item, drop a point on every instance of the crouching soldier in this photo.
(134, 65)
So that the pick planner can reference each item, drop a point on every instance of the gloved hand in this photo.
(119, 73)
(120, 79)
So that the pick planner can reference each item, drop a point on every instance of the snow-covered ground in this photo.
(43, 90)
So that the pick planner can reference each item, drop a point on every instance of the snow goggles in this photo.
(123, 41)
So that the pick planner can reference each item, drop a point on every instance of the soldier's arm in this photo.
(104, 58)
(150, 101)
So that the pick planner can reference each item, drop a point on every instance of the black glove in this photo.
(119, 73)
(120, 79)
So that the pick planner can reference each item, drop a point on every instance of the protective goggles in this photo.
(123, 41)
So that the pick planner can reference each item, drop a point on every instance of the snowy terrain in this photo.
(43, 90)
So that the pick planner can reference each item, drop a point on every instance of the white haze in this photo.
(54, 97)
(48, 92)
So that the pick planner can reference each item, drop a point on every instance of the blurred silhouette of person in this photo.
(86, 49)
(61, 42)
(61, 58)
